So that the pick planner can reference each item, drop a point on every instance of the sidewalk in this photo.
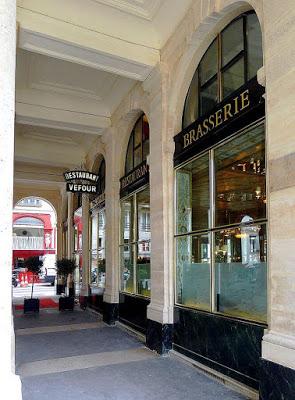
(74, 355)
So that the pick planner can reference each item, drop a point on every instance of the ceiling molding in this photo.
(145, 9)
(32, 114)
(52, 139)
(54, 47)
(64, 90)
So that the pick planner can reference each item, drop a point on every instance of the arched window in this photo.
(101, 179)
(138, 145)
(221, 193)
(28, 221)
(97, 242)
(231, 60)
(135, 235)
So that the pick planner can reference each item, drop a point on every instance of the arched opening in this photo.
(135, 234)
(34, 235)
(97, 242)
(221, 220)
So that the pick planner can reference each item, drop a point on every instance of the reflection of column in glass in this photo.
(229, 255)
(250, 245)
(218, 289)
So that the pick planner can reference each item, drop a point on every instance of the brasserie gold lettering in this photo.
(222, 115)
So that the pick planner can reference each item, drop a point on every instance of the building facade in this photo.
(189, 240)
(34, 233)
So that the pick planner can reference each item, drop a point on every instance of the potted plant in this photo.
(32, 264)
(65, 268)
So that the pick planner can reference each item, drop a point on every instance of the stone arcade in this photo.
(182, 112)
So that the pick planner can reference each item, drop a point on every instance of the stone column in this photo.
(9, 383)
(160, 310)
(85, 246)
(278, 346)
(111, 294)
(70, 236)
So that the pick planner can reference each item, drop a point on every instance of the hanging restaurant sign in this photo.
(243, 107)
(81, 182)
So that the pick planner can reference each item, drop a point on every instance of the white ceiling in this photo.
(66, 93)
(47, 146)
(141, 8)
(76, 60)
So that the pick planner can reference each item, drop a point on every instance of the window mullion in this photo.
(135, 240)
(245, 49)
(219, 76)
(211, 225)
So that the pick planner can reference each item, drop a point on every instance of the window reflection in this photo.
(240, 178)
(193, 271)
(233, 77)
(127, 269)
(240, 271)
(136, 245)
(222, 70)
(208, 97)
(138, 146)
(232, 41)
(97, 251)
(193, 196)
(127, 210)
(239, 264)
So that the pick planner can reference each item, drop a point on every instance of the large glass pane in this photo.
(129, 156)
(138, 133)
(101, 277)
(143, 273)
(145, 149)
(254, 45)
(208, 64)
(127, 212)
(241, 272)
(137, 156)
(93, 267)
(191, 103)
(143, 215)
(101, 229)
(208, 97)
(232, 41)
(101, 249)
(94, 230)
(193, 271)
(240, 179)
(127, 269)
(192, 186)
(145, 128)
(233, 78)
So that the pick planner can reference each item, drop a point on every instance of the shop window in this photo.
(101, 177)
(221, 228)
(240, 178)
(231, 60)
(193, 211)
(97, 251)
(138, 145)
(135, 243)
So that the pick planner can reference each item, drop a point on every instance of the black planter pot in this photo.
(60, 288)
(66, 303)
(31, 305)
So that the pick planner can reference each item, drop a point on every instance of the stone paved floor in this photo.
(74, 355)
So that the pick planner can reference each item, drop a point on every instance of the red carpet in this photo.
(44, 303)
